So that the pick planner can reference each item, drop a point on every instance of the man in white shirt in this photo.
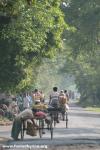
(25, 102)
(54, 98)
(54, 101)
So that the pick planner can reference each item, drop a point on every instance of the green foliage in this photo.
(50, 74)
(84, 16)
(82, 47)
(28, 33)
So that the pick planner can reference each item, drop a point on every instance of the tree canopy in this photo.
(83, 47)
(32, 30)
(29, 31)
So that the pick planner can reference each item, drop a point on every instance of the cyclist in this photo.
(63, 101)
(54, 100)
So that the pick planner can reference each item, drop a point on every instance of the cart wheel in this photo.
(51, 129)
(63, 116)
(66, 120)
(22, 131)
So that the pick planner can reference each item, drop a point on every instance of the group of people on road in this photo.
(58, 98)
(24, 101)
(36, 101)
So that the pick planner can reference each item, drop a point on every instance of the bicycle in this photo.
(56, 112)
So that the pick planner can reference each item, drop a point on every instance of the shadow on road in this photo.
(77, 131)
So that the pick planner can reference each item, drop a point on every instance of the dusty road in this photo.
(83, 132)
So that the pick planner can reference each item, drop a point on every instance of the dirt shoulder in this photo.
(4, 121)
(76, 147)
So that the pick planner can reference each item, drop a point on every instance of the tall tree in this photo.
(29, 31)
(84, 46)
(84, 16)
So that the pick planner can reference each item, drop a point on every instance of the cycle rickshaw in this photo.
(52, 113)
(42, 125)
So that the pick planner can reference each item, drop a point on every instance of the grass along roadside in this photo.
(89, 107)
(95, 109)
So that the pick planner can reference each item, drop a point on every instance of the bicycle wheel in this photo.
(66, 120)
(40, 128)
(51, 128)
(63, 115)
(55, 118)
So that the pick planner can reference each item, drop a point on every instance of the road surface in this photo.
(83, 128)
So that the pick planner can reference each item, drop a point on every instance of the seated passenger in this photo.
(40, 106)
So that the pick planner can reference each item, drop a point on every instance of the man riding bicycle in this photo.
(54, 100)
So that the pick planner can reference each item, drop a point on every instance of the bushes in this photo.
(4, 111)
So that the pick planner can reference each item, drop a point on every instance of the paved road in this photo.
(83, 127)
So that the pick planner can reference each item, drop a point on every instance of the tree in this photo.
(82, 47)
(84, 16)
(50, 74)
(28, 34)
